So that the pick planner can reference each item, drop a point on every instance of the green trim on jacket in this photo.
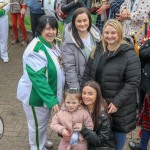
(2, 12)
(43, 91)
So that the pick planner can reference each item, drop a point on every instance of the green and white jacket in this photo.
(43, 79)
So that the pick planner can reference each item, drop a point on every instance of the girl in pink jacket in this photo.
(71, 112)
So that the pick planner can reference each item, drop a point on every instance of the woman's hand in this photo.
(23, 11)
(124, 14)
(66, 134)
(55, 108)
(78, 127)
(112, 108)
(119, 17)
(103, 8)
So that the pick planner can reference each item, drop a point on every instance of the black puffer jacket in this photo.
(145, 61)
(102, 137)
(120, 79)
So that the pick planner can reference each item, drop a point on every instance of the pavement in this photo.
(15, 135)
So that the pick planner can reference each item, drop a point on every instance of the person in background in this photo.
(4, 8)
(17, 14)
(74, 112)
(80, 38)
(35, 7)
(102, 136)
(144, 116)
(41, 85)
(69, 6)
(107, 10)
(116, 67)
(132, 15)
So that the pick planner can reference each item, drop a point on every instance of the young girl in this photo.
(101, 138)
(71, 112)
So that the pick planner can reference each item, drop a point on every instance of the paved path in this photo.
(15, 132)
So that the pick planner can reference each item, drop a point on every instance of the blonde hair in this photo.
(118, 26)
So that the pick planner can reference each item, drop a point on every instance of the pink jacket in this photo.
(66, 120)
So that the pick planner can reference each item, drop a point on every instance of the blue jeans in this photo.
(120, 139)
(144, 139)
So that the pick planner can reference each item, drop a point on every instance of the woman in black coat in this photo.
(116, 67)
(101, 138)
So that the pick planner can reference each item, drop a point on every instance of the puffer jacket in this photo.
(120, 79)
(102, 137)
(66, 120)
(145, 64)
(74, 57)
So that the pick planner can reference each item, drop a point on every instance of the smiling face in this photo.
(82, 22)
(49, 33)
(89, 96)
(72, 103)
(110, 35)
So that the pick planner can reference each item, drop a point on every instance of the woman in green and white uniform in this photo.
(40, 87)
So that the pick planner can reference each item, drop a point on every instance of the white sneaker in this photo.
(48, 144)
(5, 60)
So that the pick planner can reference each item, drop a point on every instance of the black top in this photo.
(120, 79)
(102, 137)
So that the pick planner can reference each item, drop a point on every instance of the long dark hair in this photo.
(43, 22)
(74, 29)
(99, 103)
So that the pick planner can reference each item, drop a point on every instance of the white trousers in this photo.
(37, 119)
(4, 37)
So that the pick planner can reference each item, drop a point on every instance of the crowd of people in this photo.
(92, 77)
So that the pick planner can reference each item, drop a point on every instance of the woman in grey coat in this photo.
(80, 38)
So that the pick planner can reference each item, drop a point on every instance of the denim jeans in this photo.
(144, 139)
(120, 139)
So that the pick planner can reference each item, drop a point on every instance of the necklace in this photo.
(59, 58)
